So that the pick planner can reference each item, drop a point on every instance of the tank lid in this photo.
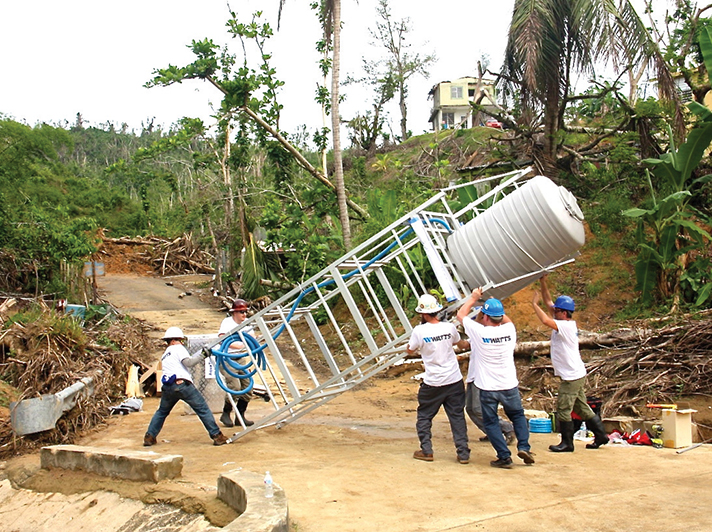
(570, 203)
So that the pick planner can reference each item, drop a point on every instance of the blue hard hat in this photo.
(493, 307)
(564, 303)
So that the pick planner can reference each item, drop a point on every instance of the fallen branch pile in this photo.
(171, 257)
(668, 363)
(180, 256)
(52, 352)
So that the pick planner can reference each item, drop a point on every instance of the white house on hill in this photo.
(451, 103)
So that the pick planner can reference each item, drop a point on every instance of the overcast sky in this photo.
(93, 57)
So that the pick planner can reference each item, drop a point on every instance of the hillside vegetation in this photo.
(62, 190)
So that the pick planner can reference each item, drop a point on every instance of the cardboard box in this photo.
(626, 424)
(677, 428)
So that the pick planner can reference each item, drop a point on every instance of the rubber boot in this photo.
(242, 407)
(226, 418)
(510, 437)
(600, 437)
(567, 438)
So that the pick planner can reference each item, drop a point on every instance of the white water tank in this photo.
(535, 226)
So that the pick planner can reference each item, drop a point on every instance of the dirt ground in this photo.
(348, 465)
(161, 303)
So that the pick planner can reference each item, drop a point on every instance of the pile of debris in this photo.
(49, 351)
(661, 366)
(167, 257)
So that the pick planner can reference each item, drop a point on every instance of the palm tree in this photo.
(334, 6)
(331, 17)
(549, 40)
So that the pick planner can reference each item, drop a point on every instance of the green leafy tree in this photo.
(367, 128)
(158, 172)
(246, 90)
(681, 43)
(40, 227)
(303, 229)
(322, 97)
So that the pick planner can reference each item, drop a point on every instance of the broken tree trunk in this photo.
(587, 340)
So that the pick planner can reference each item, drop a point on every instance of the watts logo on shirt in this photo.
(437, 338)
(499, 340)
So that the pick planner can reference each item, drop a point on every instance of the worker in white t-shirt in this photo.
(492, 340)
(568, 366)
(238, 314)
(177, 386)
(442, 384)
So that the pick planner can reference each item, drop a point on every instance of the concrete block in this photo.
(245, 492)
(129, 465)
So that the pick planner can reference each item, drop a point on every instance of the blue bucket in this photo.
(540, 424)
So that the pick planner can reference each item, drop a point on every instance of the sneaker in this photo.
(226, 420)
(420, 455)
(527, 456)
(149, 440)
(463, 459)
(510, 438)
(503, 463)
(220, 439)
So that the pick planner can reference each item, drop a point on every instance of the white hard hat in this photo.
(427, 304)
(173, 332)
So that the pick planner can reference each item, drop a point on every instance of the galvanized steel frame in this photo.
(355, 305)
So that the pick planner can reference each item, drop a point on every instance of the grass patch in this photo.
(594, 289)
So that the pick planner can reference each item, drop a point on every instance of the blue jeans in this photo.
(171, 394)
(512, 404)
(473, 407)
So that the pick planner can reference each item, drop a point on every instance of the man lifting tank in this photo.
(569, 367)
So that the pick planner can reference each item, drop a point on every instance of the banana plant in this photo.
(670, 234)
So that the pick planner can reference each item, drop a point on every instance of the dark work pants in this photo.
(452, 398)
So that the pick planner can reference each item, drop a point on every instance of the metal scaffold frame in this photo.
(347, 323)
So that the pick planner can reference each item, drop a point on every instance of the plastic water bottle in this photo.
(269, 486)
(584, 430)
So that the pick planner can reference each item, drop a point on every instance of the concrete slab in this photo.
(126, 464)
(242, 490)
(28, 511)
